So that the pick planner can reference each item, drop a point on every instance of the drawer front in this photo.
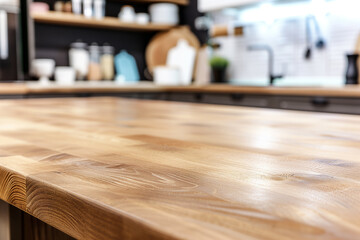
(217, 99)
(320, 104)
(151, 96)
(11, 96)
(185, 97)
(236, 99)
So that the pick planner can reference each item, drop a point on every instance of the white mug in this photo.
(142, 18)
(127, 14)
(65, 75)
(167, 76)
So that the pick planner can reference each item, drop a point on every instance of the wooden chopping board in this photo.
(160, 45)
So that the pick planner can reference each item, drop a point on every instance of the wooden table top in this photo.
(24, 89)
(111, 168)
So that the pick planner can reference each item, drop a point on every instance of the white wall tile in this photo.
(288, 39)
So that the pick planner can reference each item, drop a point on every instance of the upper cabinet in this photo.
(211, 5)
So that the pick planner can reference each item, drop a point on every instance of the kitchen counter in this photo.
(109, 168)
(13, 89)
(351, 91)
(33, 88)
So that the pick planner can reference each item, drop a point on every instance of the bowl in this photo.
(142, 18)
(43, 69)
(164, 13)
(65, 75)
(167, 76)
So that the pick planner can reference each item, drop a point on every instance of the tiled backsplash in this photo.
(287, 37)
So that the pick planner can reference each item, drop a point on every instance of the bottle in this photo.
(94, 66)
(107, 62)
(76, 6)
(352, 72)
(88, 8)
(67, 7)
(79, 59)
(59, 6)
(99, 9)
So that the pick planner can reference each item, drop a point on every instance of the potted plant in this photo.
(219, 66)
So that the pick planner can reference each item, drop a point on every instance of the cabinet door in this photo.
(211, 5)
(321, 104)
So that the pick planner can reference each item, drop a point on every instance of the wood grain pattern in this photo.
(70, 19)
(107, 168)
(24, 89)
(348, 91)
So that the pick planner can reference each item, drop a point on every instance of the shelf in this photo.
(70, 19)
(179, 2)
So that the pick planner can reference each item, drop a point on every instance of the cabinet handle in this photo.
(198, 97)
(237, 97)
(320, 102)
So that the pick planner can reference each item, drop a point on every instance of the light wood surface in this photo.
(349, 91)
(107, 168)
(88, 87)
(23, 89)
(70, 19)
(226, 30)
(13, 88)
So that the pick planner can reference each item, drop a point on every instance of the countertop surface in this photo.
(110, 87)
(111, 168)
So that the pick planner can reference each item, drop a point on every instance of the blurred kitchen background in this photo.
(283, 26)
(241, 42)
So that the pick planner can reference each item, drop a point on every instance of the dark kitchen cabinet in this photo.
(237, 99)
(321, 104)
(301, 103)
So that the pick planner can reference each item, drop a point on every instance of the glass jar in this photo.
(79, 59)
(99, 9)
(107, 62)
(94, 66)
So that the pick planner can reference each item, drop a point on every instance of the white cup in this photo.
(164, 13)
(127, 14)
(167, 76)
(88, 8)
(43, 69)
(142, 18)
(76, 6)
(65, 75)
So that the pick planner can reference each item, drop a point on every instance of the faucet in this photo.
(267, 48)
(320, 42)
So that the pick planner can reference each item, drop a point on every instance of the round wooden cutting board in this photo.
(160, 45)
